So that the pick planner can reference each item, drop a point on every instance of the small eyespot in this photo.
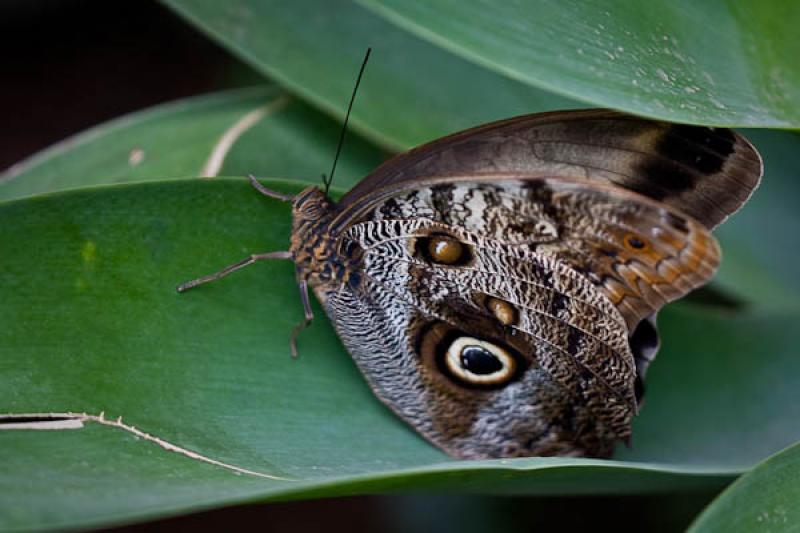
(443, 250)
(633, 242)
(503, 311)
(478, 362)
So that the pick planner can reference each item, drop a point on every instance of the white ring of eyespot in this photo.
(453, 362)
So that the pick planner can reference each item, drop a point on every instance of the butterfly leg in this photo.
(183, 287)
(309, 316)
(267, 192)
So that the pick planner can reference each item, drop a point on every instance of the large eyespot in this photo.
(478, 362)
(443, 249)
(463, 360)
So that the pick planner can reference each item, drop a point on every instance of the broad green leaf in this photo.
(712, 62)
(412, 91)
(764, 499)
(261, 130)
(92, 324)
(722, 390)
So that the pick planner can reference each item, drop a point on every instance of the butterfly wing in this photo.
(707, 173)
(498, 280)
(509, 288)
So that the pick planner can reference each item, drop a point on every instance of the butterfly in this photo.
(498, 288)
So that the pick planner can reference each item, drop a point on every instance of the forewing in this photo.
(707, 173)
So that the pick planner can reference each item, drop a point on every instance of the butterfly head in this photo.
(311, 245)
(310, 204)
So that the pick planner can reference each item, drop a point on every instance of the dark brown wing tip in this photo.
(705, 172)
(735, 183)
(748, 168)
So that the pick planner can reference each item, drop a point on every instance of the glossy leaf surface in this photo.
(260, 130)
(713, 62)
(412, 91)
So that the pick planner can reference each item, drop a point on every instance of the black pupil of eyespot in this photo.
(480, 361)
(636, 243)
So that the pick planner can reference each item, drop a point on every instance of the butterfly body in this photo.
(498, 287)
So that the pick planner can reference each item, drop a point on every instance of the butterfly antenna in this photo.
(329, 179)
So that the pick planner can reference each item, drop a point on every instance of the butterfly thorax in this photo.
(314, 251)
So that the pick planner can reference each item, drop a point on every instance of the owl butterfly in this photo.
(498, 287)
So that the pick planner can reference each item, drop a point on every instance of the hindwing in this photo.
(539, 269)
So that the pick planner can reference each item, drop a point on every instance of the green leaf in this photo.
(764, 499)
(712, 62)
(260, 130)
(412, 91)
(722, 390)
(92, 324)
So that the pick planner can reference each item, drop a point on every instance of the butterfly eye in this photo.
(632, 242)
(443, 250)
(478, 362)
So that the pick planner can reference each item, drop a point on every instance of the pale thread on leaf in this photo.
(69, 420)
(226, 141)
